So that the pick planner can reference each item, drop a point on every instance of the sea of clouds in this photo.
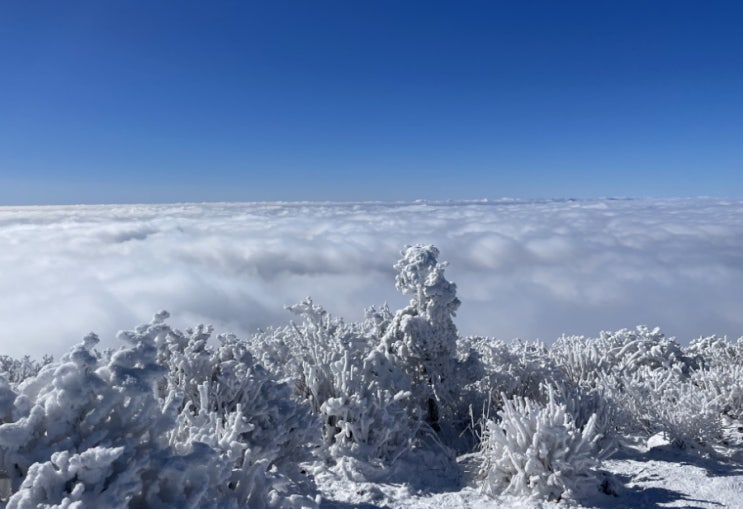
(529, 269)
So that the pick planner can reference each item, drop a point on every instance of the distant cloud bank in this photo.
(530, 269)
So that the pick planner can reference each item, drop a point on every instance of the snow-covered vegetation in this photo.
(538, 451)
(185, 419)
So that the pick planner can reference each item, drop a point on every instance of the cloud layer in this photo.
(523, 269)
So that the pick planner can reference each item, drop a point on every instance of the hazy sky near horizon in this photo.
(133, 101)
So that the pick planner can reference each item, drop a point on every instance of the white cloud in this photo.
(527, 269)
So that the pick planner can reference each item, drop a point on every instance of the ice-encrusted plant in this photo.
(16, 371)
(712, 351)
(650, 401)
(536, 451)
(489, 369)
(724, 383)
(90, 431)
(212, 384)
(94, 433)
(718, 372)
(368, 418)
(584, 360)
(641, 374)
(422, 338)
(361, 397)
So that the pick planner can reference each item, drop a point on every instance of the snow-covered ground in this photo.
(528, 269)
(644, 478)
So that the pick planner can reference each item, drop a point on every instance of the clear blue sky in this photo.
(153, 101)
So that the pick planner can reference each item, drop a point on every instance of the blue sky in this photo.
(387, 100)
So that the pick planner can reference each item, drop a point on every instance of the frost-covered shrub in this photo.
(319, 343)
(475, 383)
(586, 405)
(718, 371)
(520, 368)
(87, 416)
(637, 397)
(531, 368)
(373, 382)
(90, 431)
(16, 371)
(491, 364)
(488, 369)
(90, 472)
(368, 418)
(584, 361)
(630, 350)
(537, 451)
(422, 338)
(215, 382)
(362, 398)
(102, 477)
(689, 415)
(636, 372)
(250, 478)
(724, 384)
(649, 401)
(713, 351)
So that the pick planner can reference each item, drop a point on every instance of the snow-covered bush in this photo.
(476, 383)
(94, 433)
(712, 351)
(362, 398)
(318, 343)
(488, 368)
(585, 405)
(689, 415)
(649, 401)
(584, 361)
(16, 371)
(222, 380)
(718, 372)
(723, 383)
(537, 451)
(422, 338)
(90, 431)
(639, 373)
(250, 477)
(630, 350)
(368, 417)
(374, 382)
(531, 370)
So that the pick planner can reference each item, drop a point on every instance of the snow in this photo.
(652, 478)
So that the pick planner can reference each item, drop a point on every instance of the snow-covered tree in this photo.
(422, 338)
